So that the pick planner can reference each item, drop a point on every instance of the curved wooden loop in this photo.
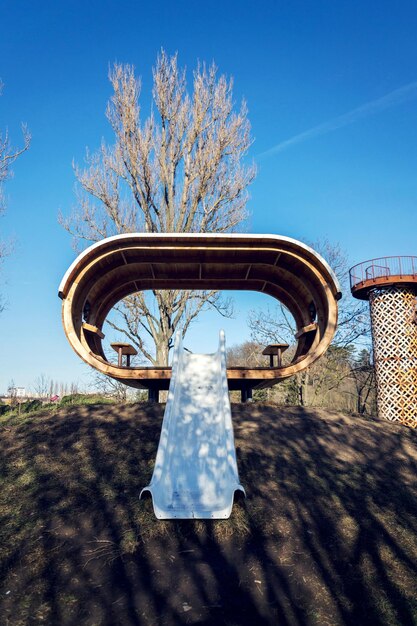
(281, 267)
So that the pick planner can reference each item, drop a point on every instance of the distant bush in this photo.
(4, 408)
(260, 395)
(81, 398)
(31, 405)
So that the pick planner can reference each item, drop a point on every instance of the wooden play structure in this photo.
(281, 267)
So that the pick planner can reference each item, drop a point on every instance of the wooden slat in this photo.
(306, 329)
(93, 329)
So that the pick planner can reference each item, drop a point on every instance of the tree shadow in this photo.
(327, 534)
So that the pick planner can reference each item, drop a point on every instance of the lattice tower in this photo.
(394, 334)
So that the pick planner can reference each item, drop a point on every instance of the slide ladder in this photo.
(195, 474)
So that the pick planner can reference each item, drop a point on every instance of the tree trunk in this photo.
(162, 352)
(359, 402)
(301, 392)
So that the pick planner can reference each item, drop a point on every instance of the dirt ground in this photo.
(326, 536)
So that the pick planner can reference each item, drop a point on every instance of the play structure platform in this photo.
(195, 474)
(281, 267)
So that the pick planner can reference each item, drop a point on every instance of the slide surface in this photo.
(195, 474)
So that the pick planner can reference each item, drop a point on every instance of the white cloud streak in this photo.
(391, 99)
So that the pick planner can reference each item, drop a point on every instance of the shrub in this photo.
(80, 398)
(30, 405)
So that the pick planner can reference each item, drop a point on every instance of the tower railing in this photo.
(383, 267)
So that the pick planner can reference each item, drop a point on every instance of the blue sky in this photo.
(332, 97)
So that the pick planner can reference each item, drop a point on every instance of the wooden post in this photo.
(246, 394)
(153, 395)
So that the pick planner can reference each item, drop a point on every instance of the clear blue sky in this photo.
(332, 96)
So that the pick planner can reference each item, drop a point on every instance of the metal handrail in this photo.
(383, 267)
(370, 271)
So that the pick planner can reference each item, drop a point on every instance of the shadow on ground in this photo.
(327, 535)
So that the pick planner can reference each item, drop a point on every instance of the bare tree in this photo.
(8, 156)
(248, 353)
(363, 374)
(179, 170)
(42, 386)
(63, 389)
(109, 387)
(74, 389)
(12, 392)
(354, 323)
(276, 325)
(272, 325)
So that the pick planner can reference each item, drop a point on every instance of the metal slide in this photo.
(195, 474)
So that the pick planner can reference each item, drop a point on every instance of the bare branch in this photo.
(8, 156)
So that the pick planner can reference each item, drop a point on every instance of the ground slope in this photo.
(327, 535)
